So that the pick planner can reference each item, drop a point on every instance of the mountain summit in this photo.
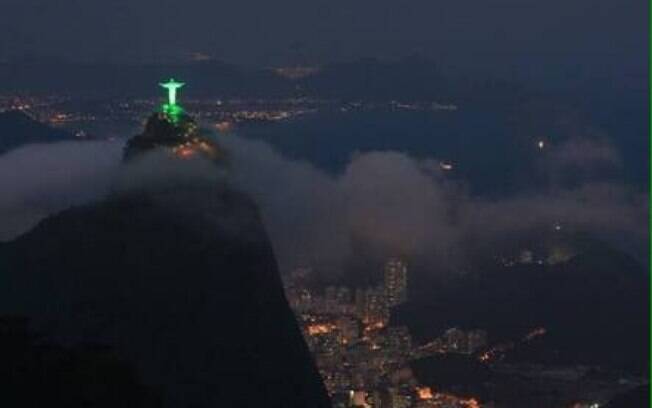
(180, 282)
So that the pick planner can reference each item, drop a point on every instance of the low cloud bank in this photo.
(391, 202)
(41, 179)
(396, 204)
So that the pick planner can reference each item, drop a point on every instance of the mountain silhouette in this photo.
(211, 77)
(17, 129)
(179, 280)
(36, 372)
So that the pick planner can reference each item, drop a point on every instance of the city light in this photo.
(424, 393)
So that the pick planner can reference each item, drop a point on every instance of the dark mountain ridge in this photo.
(17, 129)
(178, 278)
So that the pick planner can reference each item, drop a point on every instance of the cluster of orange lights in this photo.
(374, 326)
(320, 328)
(224, 126)
(471, 403)
(424, 393)
(184, 152)
(497, 351)
(188, 149)
(427, 394)
(59, 118)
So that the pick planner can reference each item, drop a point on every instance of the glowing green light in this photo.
(172, 87)
(171, 108)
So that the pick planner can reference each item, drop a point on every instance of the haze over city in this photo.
(349, 204)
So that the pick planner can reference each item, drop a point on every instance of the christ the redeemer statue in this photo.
(172, 87)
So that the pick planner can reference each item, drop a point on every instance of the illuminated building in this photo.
(372, 307)
(424, 393)
(349, 329)
(395, 281)
(358, 399)
(396, 399)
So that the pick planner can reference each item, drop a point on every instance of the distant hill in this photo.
(411, 78)
(17, 129)
(212, 78)
(594, 307)
(372, 79)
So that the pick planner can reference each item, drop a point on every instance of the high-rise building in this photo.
(395, 281)
(371, 306)
(376, 308)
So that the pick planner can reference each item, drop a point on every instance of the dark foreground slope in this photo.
(181, 283)
(37, 373)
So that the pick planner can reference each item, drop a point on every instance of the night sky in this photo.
(506, 33)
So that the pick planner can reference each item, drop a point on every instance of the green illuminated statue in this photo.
(171, 108)
(172, 87)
